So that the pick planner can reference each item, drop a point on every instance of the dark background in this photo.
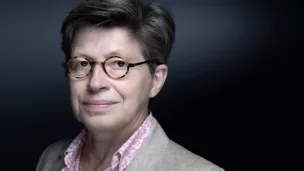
(218, 98)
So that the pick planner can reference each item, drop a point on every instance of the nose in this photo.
(98, 80)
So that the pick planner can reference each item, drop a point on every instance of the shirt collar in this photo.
(123, 156)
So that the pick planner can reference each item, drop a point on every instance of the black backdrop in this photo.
(217, 98)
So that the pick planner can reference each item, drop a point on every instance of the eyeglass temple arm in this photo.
(139, 63)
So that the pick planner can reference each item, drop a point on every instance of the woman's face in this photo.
(106, 104)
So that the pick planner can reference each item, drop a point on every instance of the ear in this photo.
(159, 79)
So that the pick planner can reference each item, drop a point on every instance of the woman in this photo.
(116, 54)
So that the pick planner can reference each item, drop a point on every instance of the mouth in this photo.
(100, 105)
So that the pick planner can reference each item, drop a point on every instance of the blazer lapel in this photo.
(58, 163)
(57, 157)
(150, 154)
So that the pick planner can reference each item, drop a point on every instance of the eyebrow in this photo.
(114, 53)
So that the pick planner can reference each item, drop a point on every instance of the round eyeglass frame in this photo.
(94, 62)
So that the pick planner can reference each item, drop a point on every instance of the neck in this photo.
(99, 147)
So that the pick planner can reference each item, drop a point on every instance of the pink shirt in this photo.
(121, 158)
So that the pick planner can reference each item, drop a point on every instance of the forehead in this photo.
(102, 43)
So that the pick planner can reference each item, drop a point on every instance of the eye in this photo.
(79, 63)
(116, 63)
(120, 63)
(83, 63)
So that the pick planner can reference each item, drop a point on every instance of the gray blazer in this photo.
(157, 153)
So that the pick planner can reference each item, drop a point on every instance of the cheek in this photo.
(76, 90)
(135, 91)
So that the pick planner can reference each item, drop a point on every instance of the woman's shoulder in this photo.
(180, 158)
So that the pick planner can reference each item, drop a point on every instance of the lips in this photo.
(98, 104)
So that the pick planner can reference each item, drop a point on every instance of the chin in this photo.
(103, 122)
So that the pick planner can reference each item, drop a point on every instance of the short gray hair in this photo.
(151, 24)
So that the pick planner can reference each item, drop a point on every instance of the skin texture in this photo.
(109, 128)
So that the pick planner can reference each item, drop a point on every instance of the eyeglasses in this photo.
(115, 67)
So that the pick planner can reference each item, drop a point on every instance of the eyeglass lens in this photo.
(114, 67)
